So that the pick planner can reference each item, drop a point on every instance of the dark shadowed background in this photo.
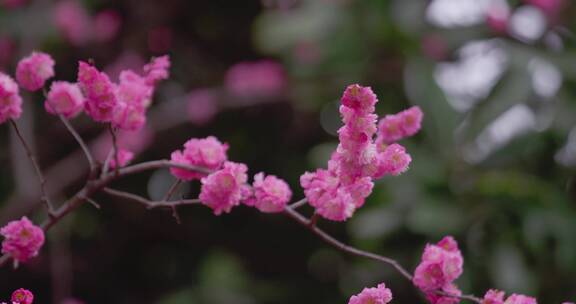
(493, 166)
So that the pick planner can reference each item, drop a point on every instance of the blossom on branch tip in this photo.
(270, 194)
(124, 157)
(394, 127)
(520, 299)
(10, 100)
(22, 296)
(224, 188)
(207, 153)
(493, 296)
(441, 264)
(33, 71)
(22, 239)
(100, 92)
(64, 98)
(374, 295)
(157, 69)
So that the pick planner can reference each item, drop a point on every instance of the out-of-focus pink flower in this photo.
(434, 47)
(223, 189)
(99, 91)
(160, 39)
(7, 48)
(451, 289)
(33, 71)
(10, 100)
(374, 295)
(497, 18)
(12, 4)
(22, 296)
(270, 194)
(259, 78)
(520, 299)
(64, 98)
(493, 296)
(207, 153)
(133, 141)
(441, 264)
(73, 21)
(124, 158)
(22, 239)
(202, 106)
(158, 69)
(106, 25)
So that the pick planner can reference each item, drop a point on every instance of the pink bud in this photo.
(33, 71)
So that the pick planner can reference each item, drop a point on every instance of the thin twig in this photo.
(106, 165)
(167, 197)
(343, 247)
(148, 203)
(82, 144)
(93, 203)
(42, 180)
(298, 204)
(114, 148)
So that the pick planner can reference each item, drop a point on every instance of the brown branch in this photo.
(167, 197)
(114, 148)
(148, 203)
(341, 246)
(82, 144)
(42, 180)
(94, 185)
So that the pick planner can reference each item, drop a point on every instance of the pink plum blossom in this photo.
(392, 128)
(64, 98)
(22, 296)
(100, 93)
(270, 194)
(33, 71)
(124, 157)
(441, 264)
(374, 295)
(224, 188)
(493, 296)
(392, 161)
(10, 100)
(520, 299)
(22, 239)
(207, 153)
(157, 69)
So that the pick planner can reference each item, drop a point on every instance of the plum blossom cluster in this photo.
(338, 191)
(10, 100)
(22, 296)
(227, 186)
(22, 239)
(373, 295)
(124, 104)
(497, 297)
(441, 264)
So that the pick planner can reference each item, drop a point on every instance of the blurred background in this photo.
(493, 166)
